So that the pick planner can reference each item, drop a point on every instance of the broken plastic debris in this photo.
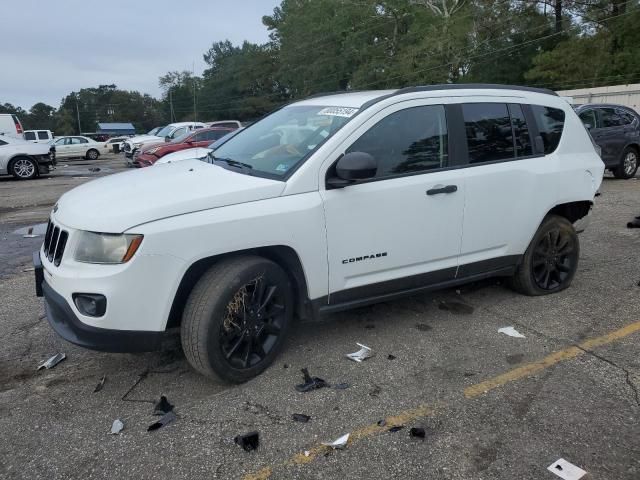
(417, 432)
(512, 332)
(340, 443)
(301, 417)
(249, 441)
(162, 407)
(566, 470)
(165, 420)
(53, 361)
(396, 428)
(117, 427)
(362, 354)
(100, 384)
(310, 383)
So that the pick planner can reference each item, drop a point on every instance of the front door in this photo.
(609, 135)
(402, 229)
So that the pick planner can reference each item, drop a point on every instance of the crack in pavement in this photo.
(614, 364)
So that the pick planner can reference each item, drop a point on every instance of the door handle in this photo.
(440, 189)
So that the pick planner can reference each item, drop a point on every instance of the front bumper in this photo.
(144, 160)
(65, 323)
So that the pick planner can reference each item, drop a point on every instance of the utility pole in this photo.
(195, 113)
(171, 114)
(78, 113)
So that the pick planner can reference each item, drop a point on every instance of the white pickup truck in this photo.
(368, 196)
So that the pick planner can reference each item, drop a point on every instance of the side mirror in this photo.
(167, 138)
(351, 167)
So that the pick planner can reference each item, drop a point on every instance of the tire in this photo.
(551, 260)
(628, 164)
(92, 154)
(224, 342)
(23, 168)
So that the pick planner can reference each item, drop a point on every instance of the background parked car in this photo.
(10, 125)
(119, 141)
(79, 146)
(168, 133)
(616, 130)
(200, 138)
(226, 123)
(38, 136)
(199, 153)
(24, 160)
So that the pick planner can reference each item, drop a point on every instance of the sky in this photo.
(53, 47)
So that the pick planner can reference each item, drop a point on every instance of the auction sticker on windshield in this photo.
(338, 111)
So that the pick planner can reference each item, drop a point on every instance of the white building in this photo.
(628, 95)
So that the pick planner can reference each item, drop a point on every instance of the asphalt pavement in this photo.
(492, 406)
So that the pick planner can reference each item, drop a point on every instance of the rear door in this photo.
(399, 230)
(610, 135)
(505, 177)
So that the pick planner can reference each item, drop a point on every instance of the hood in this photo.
(143, 139)
(118, 202)
(149, 146)
(187, 154)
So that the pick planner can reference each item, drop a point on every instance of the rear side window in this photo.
(627, 118)
(407, 141)
(214, 134)
(521, 136)
(589, 118)
(488, 130)
(43, 135)
(29, 135)
(550, 122)
(610, 118)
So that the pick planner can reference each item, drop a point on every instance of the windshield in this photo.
(221, 140)
(280, 141)
(164, 131)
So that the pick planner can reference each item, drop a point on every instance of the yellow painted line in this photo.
(473, 391)
(548, 361)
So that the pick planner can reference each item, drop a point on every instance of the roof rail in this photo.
(466, 86)
(324, 94)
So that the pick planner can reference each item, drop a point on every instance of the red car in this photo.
(202, 137)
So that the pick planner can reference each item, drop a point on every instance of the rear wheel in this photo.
(551, 261)
(24, 168)
(628, 164)
(236, 318)
(92, 154)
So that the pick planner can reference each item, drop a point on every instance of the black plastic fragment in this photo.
(396, 428)
(391, 357)
(634, 224)
(165, 420)
(301, 417)
(162, 407)
(417, 432)
(249, 441)
(310, 383)
(100, 384)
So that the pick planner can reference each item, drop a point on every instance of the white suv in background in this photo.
(376, 195)
(168, 133)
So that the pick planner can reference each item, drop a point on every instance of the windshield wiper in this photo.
(230, 161)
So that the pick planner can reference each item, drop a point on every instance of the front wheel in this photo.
(92, 154)
(236, 318)
(628, 164)
(551, 260)
(24, 168)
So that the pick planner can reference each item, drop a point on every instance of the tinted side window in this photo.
(227, 125)
(610, 118)
(30, 136)
(550, 123)
(521, 131)
(43, 135)
(407, 141)
(488, 128)
(588, 117)
(627, 118)
(215, 134)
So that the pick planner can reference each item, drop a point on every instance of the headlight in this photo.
(106, 247)
(153, 150)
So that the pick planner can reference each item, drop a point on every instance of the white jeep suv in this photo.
(375, 195)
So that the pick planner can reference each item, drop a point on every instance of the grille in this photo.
(55, 240)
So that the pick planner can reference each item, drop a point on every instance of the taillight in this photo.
(18, 124)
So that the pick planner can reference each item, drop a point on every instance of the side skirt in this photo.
(353, 298)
